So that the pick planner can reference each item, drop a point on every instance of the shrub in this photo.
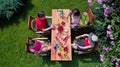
(107, 27)
(9, 7)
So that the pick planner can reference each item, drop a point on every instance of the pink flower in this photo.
(108, 33)
(111, 37)
(102, 58)
(107, 9)
(107, 49)
(109, 27)
(117, 65)
(90, 2)
(105, 13)
(100, 1)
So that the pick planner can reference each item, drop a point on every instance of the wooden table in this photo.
(61, 39)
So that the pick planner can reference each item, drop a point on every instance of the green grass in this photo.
(13, 36)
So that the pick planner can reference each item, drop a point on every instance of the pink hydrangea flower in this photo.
(90, 2)
(100, 1)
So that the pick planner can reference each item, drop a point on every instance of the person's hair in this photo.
(31, 42)
(76, 12)
(41, 14)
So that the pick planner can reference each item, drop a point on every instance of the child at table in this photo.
(38, 48)
(41, 22)
(75, 18)
(88, 42)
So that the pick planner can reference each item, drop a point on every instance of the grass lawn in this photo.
(13, 36)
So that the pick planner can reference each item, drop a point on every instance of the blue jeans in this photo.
(80, 44)
(75, 27)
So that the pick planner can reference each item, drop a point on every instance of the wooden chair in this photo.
(89, 22)
(31, 25)
(91, 16)
(27, 46)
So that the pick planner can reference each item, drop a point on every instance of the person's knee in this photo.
(74, 46)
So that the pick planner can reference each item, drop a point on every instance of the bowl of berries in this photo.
(60, 29)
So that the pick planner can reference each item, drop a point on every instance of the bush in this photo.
(107, 27)
(9, 7)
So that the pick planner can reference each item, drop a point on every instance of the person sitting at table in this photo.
(39, 48)
(84, 45)
(41, 22)
(75, 18)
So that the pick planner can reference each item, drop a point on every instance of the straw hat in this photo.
(93, 38)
